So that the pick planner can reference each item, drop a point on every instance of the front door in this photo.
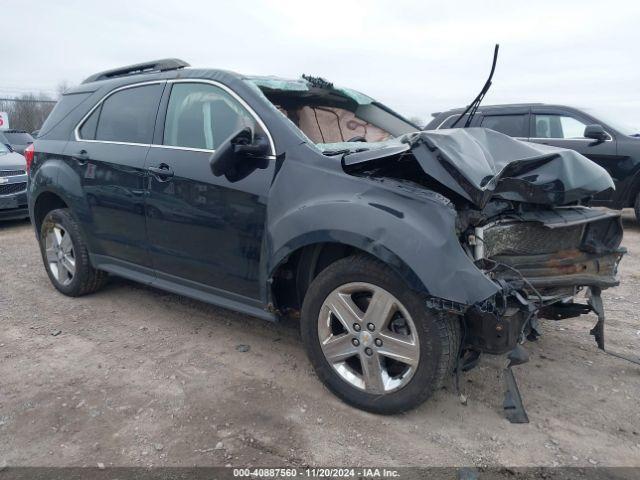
(566, 130)
(204, 231)
(110, 161)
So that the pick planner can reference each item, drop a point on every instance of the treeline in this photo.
(27, 112)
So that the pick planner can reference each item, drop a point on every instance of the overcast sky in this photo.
(417, 57)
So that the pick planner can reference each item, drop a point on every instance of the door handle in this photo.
(81, 157)
(162, 172)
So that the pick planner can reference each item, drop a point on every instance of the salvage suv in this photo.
(403, 253)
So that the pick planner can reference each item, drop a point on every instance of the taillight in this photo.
(29, 153)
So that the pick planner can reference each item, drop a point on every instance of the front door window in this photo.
(202, 116)
(558, 126)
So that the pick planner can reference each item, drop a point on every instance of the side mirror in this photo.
(596, 132)
(240, 155)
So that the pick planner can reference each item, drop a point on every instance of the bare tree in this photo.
(27, 112)
(62, 87)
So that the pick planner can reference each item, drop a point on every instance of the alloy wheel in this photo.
(368, 337)
(60, 254)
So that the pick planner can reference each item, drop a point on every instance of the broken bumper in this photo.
(540, 259)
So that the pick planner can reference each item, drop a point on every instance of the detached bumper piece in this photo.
(595, 302)
(512, 404)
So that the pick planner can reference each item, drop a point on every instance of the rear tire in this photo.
(66, 256)
(429, 341)
(636, 207)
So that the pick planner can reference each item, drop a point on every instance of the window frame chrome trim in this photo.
(228, 90)
(579, 139)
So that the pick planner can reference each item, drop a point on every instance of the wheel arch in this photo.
(295, 266)
(45, 202)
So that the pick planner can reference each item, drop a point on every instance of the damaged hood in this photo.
(479, 164)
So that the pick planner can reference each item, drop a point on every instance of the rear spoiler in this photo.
(146, 67)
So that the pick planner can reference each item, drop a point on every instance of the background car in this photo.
(613, 146)
(13, 184)
(5, 141)
(18, 139)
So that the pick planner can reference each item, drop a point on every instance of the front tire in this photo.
(636, 207)
(371, 339)
(66, 256)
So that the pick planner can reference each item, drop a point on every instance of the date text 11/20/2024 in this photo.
(361, 473)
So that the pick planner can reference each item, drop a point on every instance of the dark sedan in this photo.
(18, 139)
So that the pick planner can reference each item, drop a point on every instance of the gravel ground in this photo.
(132, 376)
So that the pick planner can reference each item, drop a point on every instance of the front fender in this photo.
(406, 226)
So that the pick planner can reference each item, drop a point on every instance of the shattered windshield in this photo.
(333, 118)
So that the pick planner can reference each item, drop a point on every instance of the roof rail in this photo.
(146, 67)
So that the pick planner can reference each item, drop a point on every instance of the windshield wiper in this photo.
(473, 106)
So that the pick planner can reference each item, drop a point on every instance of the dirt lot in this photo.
(140, 377)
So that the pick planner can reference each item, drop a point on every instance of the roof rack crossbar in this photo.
(146, 67)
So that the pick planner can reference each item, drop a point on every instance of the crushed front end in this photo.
(542, 259)
(521, 220)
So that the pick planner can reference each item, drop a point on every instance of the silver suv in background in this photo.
(13, 183)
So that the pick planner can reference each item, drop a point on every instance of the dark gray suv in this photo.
(403, 254)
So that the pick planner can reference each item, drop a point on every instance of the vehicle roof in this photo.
(270, 82)
(504, 106)
(303, 85)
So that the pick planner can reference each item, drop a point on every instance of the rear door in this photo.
(109, 157)
(565, 128)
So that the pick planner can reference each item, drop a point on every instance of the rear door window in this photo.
(512, 125)
(126, 116)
